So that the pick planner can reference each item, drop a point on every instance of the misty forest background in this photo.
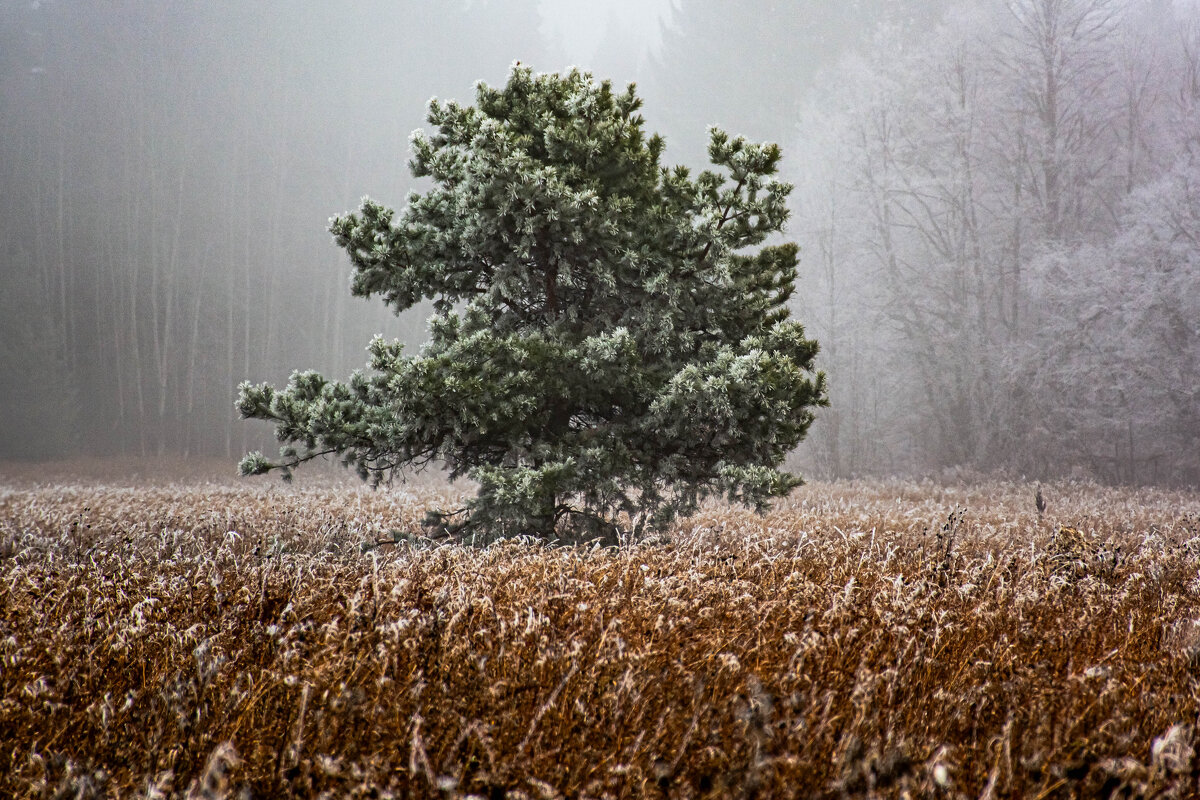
(998, 204)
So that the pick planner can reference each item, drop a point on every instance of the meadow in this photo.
(190, 638)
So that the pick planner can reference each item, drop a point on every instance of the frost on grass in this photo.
(859, 640)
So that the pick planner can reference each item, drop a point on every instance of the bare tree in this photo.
(1058, 54)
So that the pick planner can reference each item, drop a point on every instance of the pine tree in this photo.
(602, 342)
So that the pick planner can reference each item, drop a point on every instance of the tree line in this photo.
(170, 169)
(995, 202)
(1003, 254)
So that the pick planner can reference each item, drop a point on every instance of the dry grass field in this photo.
(213, 640)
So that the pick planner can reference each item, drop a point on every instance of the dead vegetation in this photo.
(862, 640)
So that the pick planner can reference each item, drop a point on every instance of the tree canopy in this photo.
(610, 336)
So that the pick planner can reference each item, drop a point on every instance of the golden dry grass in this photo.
(882, 639)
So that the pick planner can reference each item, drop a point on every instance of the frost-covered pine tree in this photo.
(605, 339)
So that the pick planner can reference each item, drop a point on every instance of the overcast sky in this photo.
(582, 23)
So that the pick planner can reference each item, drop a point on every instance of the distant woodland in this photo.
(998, 206)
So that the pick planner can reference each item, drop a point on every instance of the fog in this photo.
(997, 201)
